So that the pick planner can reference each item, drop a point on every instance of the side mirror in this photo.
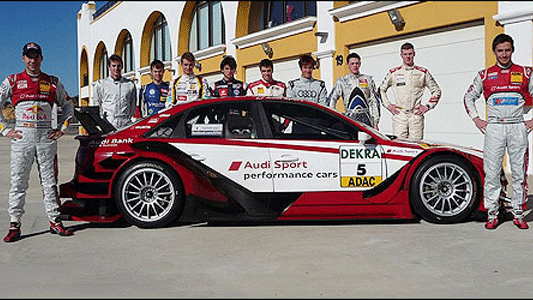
(363, 136)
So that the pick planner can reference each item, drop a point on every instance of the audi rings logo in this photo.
(306, 93)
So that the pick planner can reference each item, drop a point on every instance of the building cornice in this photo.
(274, 33)
(361, 9)
(516, 16)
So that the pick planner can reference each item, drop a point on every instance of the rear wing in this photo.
(89, 117)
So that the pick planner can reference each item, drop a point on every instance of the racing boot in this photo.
(518, 220)
(58, 228)
(492, 220)
(13, 234)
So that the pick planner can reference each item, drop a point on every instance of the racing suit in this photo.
(223, 88)
(309, 89)
(117, 99)
(33, 99)
(189, 88)
(408, 84)
(507, 93)
(152, 98)
(263, 88)
(358, 93)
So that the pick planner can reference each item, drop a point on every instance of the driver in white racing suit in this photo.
(358, 93)
(507, 89)
(408, 82)
(33, 94)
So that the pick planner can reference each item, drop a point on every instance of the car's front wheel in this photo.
(149, 195)
(444, 189)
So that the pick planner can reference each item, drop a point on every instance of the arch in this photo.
(146, 38)
(185, 27)
(119, 46)
(242, 24)
(84, 67)
(100, 50)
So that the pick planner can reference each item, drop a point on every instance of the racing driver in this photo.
(507, 89)
(408, 82)
(358, 93)
(33, 93)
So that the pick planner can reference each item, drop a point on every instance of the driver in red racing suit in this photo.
(507, 89)
(33, 94)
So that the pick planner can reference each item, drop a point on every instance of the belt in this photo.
(509, 120)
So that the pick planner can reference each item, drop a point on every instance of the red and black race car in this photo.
(264, 159)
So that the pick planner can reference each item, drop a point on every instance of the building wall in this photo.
(338, 28)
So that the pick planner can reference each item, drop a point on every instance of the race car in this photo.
(264, 159)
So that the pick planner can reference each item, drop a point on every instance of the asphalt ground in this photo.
(369, 259)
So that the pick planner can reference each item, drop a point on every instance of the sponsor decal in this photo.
(164, 115)
(260, 90)
(142, 127)
(492, 76)
(23, 84)
(113, 142)
(517, 77)
(44, 87)
(363, 82)
(192, 86)
(223, 92)
(267, 170)
(360, 153)
(151, 92)
(501, 101)
(154, 120)
(207, 130)
(34, 113)
(363, 181)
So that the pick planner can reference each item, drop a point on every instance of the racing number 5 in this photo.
(361, 169)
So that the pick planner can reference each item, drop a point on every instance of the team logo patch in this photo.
(44, 87)
(492, 76)
(23, 84)
(517, 77)
(501, 101)
(260, 90)
(363, 82)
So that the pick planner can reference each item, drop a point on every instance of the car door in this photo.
(318, 151)
(223, 136)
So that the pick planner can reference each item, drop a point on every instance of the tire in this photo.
(149, 195)
(445, 189)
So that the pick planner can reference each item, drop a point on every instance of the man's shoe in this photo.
(58, 228)
(13, 234)
(492, 221)
(519, 222)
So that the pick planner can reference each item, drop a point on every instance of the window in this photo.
(267, 14)
(104, 71)
(296, 121)
(227, 120)
(207, 27)
(127, 53)
(160, 48)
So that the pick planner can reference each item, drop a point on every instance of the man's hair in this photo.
(188, 56)
(305, 59)
(156, 63)
(266, 63)
(502, 38)
(407, 46)
(230, 61)
(114, 57)
(352, 55)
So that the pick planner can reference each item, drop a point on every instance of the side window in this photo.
(297, 121)
(164, 130)
(232, 120)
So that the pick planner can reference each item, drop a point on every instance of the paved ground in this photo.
(325, 260)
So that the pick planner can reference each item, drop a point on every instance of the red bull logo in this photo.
(34, 113)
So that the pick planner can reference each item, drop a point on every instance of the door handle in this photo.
(198, 157)
(288, 158)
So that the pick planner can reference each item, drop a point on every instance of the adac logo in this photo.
(34, 113)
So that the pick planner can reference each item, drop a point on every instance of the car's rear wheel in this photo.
(149, 195)
(444, 189)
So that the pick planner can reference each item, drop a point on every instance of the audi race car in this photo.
(263, 159)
